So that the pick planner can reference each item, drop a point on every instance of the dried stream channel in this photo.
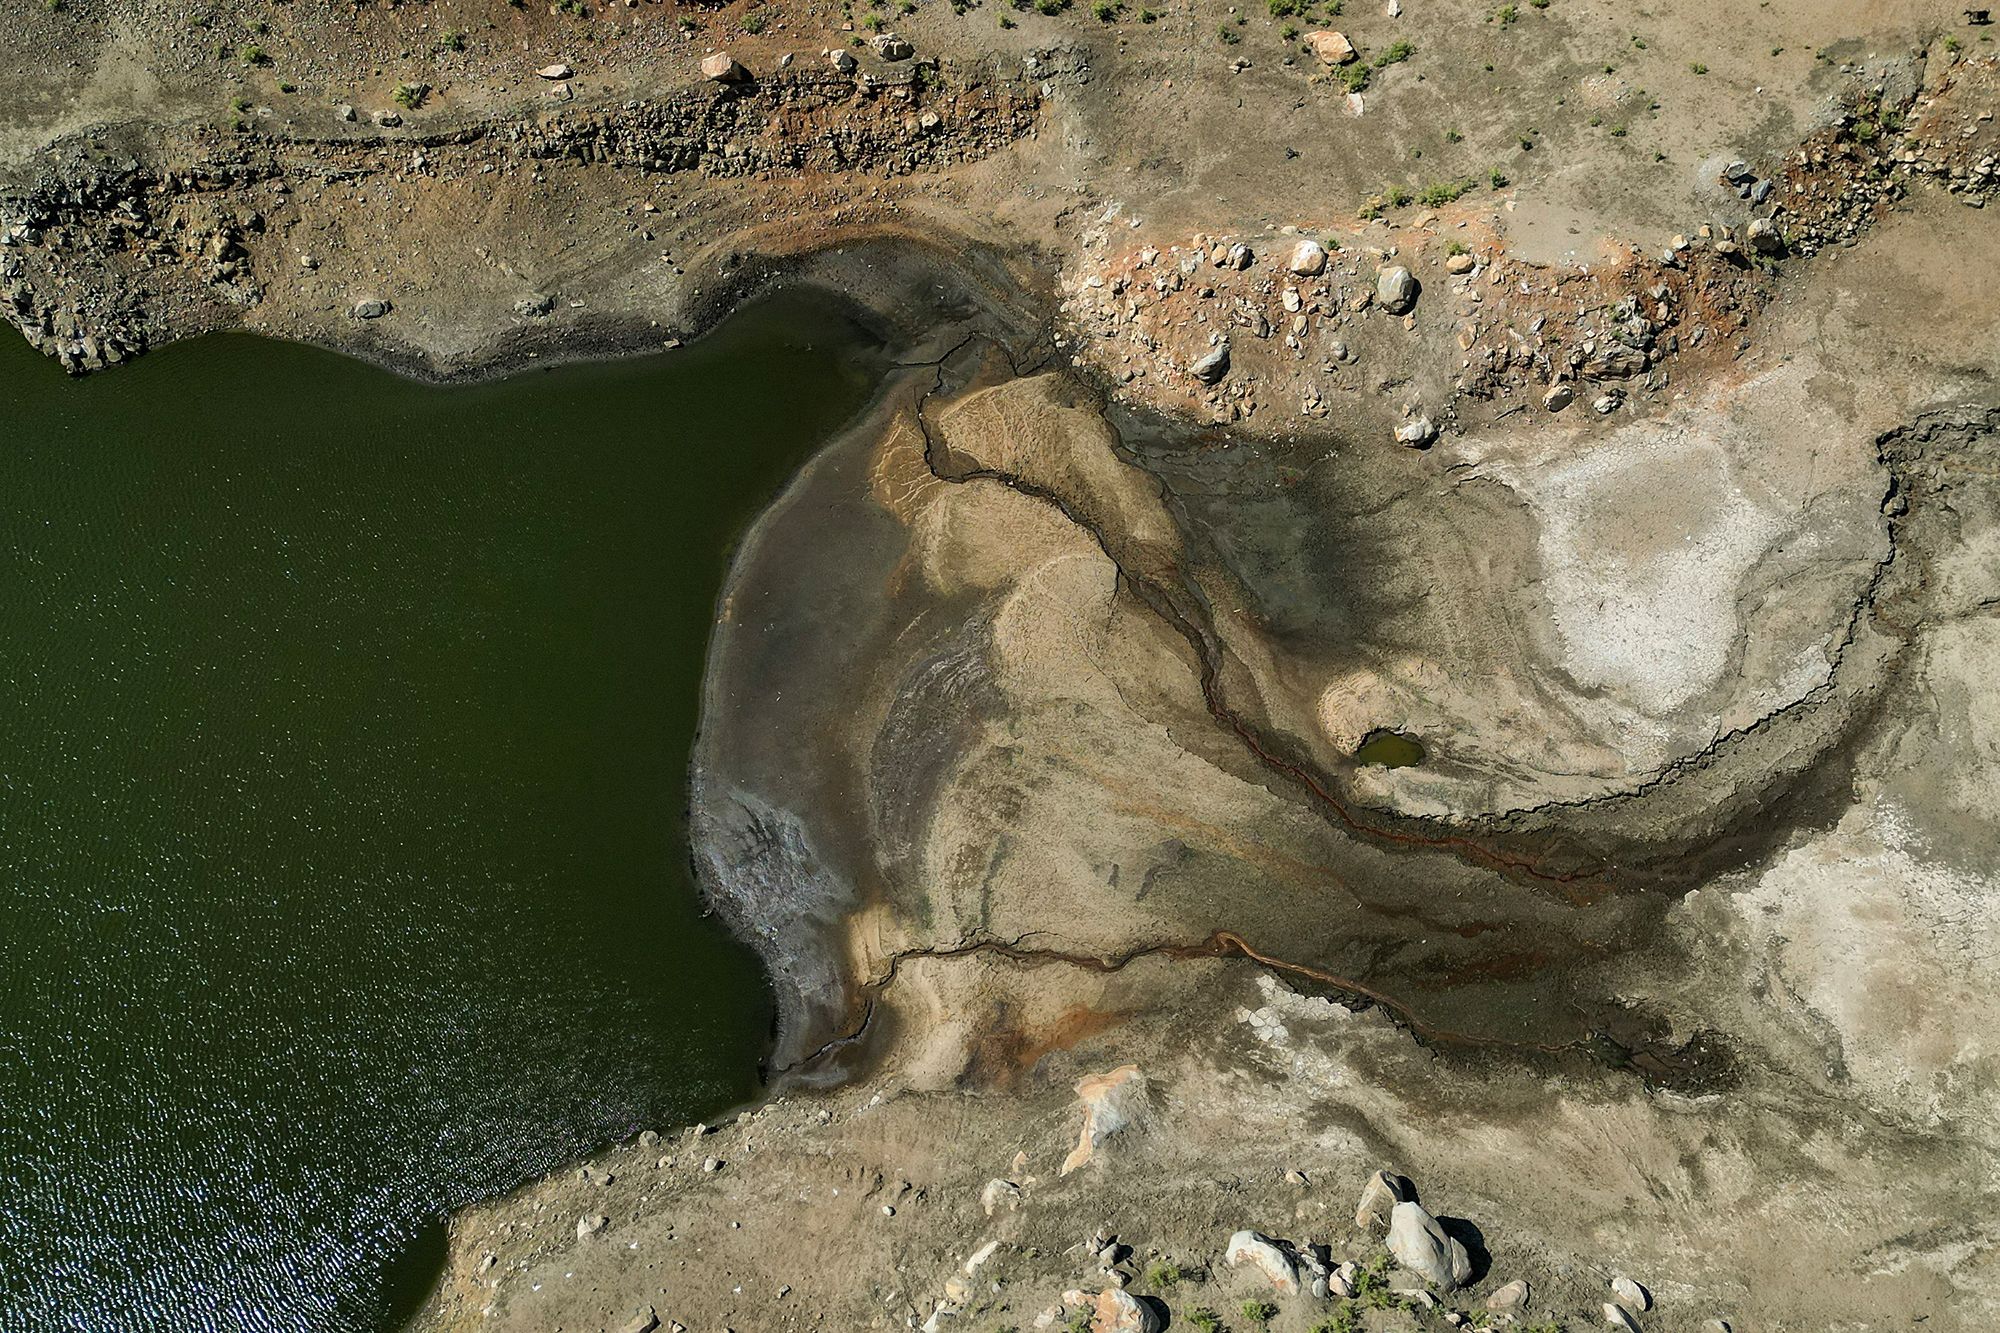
(341, 866)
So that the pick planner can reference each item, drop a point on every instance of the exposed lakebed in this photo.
(341, 859)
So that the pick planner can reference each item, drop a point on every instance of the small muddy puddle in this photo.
(1389, 749)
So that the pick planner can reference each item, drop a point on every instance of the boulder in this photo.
(1763, 237)
(1459, 263)
(1112, 1102)
(1331, 47)
(723, 68)
(1618, 1318)
(1118, 1311)
(553, 72)
(891, 47)
(1615, 362)
(1558, 397)
(1396, 289)
(1416, 434)
(591, 1224)
(1000, 1194)
(1308, 259)
(1379, 1196)
(1631, 1295)
(370, 309)
(843, 62)
(1212, 366)
(1266, 1256)
(643, 1322)
(1510, 1298)
(1419, 1244)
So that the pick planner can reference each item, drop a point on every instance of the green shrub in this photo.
(1395, 55)
(410, 96)
(1259, 1312)
(1444, 192)
(1205, 1319)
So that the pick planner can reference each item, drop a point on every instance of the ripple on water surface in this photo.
(342, 732)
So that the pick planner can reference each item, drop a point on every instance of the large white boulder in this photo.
(1420, 1245)
(1266, 1256)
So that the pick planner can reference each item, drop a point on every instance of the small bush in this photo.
(1228, 35)
(1698, 67)
(453, 40)
(1106, 11)
(1344, 1320)
(1499, 178)
(239, 104)
(1395, 55)
(410, 96)
(1259, 1312)
(1205, 1319)
(754, 23)
(1506, 14)
(254, 55)
(1444, 192)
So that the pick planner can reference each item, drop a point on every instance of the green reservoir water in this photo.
(343, 731)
